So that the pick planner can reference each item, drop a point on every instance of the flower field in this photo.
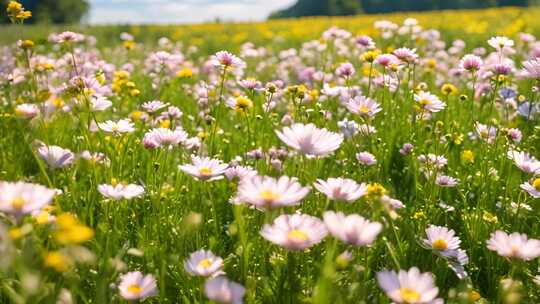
(370, 159)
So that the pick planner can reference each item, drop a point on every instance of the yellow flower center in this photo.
(136, 289)
(364, 109)
(514, 250)
(297, 235)
(205, 171)
(17, 203)
(206, 263)
(425, 102)
(409, 295)
(484, 133)
(440, 244)
(536, 184)
(269, 196)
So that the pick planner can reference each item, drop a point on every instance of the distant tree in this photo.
(351, 7)
(54, 11)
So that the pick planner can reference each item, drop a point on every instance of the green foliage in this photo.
(352, 7)
(54, 11)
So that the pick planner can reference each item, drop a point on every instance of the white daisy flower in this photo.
(364, 106)
(204, 263)
(295, 232)
(205, 169)
(117, 127)
(20, 198)
(136, 286)
(429, 102)
(121, 191)
(268, 192)
(352, 229)
(56, 157)
(532, 187)
(341, 189)
(224, 291)
(310, 140)
(409, 287)
(514, 245)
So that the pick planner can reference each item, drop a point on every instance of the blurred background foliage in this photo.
(53, 11)
(352, 7)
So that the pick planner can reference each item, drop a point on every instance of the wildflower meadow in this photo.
(381, 159)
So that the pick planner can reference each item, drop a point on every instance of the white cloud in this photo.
(181, 11)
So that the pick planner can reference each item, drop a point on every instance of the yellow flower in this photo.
(136, 115)
(70, 231)
(474, 296)
(449, 89)
(27, 44)
(431, 63)
(24, 15)
(129, 45)
(242, 104)
(57, 261)
(489, 217)
(419, 215)
(13, 6)
(467, 156)
(165, 124)
(18, 232)
(375, 191)
(185, 73)
(134, 93)
(15, 233)
(370, 56)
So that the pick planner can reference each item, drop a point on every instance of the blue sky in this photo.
(181, 11)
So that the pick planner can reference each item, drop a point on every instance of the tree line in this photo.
(353, 7)
(52, 11)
